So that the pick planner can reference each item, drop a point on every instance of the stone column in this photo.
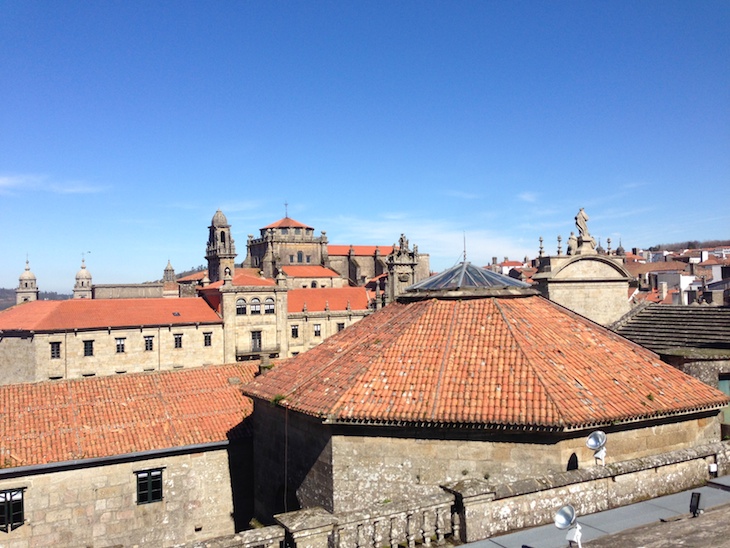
(309, 528)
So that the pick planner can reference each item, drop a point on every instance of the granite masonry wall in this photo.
(97, 505)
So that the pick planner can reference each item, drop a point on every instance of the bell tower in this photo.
(82, 287)
(221, 250)
(27, 289)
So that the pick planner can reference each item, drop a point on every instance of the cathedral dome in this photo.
(219, 219)
(27, 275)
(83, 274)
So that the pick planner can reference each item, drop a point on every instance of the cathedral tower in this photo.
(221, 250)
(27, 288)
(82, 287)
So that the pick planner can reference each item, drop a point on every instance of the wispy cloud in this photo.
(530, 197)
(10, 184)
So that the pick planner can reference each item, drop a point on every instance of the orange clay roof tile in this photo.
(495, 361)
(102, 313)
(287, 222)
(58, 421)
(336, 298)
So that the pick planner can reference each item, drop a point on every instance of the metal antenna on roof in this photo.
(465, 246)
(286, 210)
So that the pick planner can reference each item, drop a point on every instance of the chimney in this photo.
(494, 260)
(662, 290)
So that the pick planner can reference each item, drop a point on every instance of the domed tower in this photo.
(82, 287)
(221, 250)
(27, 288)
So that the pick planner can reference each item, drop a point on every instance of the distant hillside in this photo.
(691, 244)
(7, 297)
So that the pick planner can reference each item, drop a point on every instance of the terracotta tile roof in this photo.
(309, 272)
(102, 313)
(662, 266)
(287, 222)
(336, 297)
(245, 278)
(359, 250)
(60, 421)
(489, 361)
(194, 277)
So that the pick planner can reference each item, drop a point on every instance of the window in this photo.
(340, 327)
(241, 307)
(11, 509)
(300, 256)
(149, 343)
(120, 344)
(291, 258)
(149, 486)
(55, 350)
(309, 258)
(317, 330)
(285, 231)
(269, 307)
(88, 348)
(207, 338)
(256, 341)
(178, 340)
(297, 231)
(255, 306)
(294, 331)
(314, 285)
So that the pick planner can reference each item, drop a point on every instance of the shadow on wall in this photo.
(240, 467)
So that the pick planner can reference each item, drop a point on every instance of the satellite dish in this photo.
(565, 517)
(596, 440)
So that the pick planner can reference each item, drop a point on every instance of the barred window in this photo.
(88, 348)
(11, 509)
(207, 338)
(120, 344)
(149, 343)
(178, 340)
(55, 350)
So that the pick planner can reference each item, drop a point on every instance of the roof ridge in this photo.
(548, 396)
(444, 360)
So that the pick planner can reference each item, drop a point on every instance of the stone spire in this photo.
(221, 250)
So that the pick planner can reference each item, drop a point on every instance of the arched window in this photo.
(255, 306)
(269, 307)
(573, 462)
(223, 237)
(300, 256)
(314, 285)
(241, 307)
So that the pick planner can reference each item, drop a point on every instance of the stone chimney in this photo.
(662, 290)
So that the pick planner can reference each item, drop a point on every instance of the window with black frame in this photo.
(149, 486)
(11, 509)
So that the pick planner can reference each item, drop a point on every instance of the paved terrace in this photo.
(660, 522)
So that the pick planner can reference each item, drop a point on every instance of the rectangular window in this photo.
(340, 327)
(317, 330)
(11, 509)
(256, 341)
(294, 331)
(269, 306)
(55, 350)
(149, 343)
(207, 339)
(291, 258)
(120, 344)
(149, 486)
(88, 348)
(178, 340)
(309, 258)
(297, 231)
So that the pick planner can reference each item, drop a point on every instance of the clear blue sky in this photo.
(124, 125)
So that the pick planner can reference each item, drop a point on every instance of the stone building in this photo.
(588, 280)
(151, 459)
(44, 340)
(471, 375)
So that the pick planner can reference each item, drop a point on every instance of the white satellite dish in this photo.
(565, 517)
(597, 443)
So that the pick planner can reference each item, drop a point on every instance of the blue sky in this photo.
(125, 125)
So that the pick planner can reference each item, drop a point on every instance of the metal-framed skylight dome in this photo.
(466, 276)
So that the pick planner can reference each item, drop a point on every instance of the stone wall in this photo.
(369, 466)
(328, 325)
(128, 291)
(97, 505)
(107, 361)
(17, 359)
(292, 462)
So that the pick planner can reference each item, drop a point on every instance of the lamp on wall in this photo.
(596, 442)
(565, 518)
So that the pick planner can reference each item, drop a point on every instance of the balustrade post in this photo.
(411, 530)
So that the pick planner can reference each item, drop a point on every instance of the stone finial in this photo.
(542, 250)
(572, 243)
(608, 243)
(560, 247)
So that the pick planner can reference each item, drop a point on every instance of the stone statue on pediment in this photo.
(586, 243)
(572, 244)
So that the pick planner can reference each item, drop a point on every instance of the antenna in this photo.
(465, 246)
(286, 209)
